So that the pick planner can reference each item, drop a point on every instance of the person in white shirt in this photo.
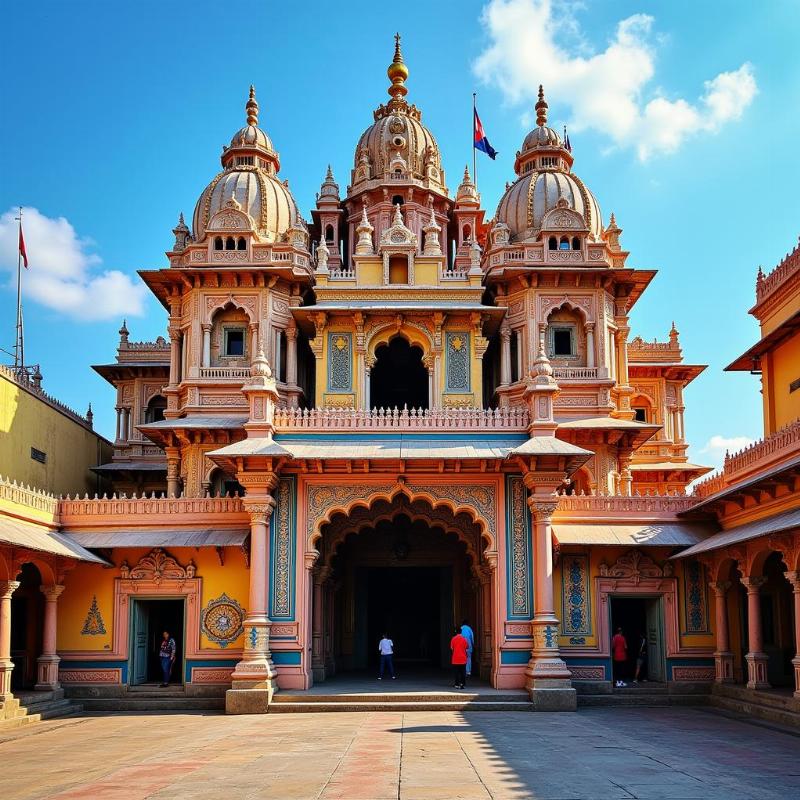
(386, 649)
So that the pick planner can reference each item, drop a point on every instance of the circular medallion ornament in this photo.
(222, 620)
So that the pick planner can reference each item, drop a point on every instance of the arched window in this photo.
(399, 377)
(218, 243)
(329, 233)
(563, 243)
(230, 243)
(576, 243)
(552, 243)
(397, 200)
(466, 233)
(241, 244)
(155, 409)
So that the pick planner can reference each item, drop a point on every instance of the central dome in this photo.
(250, 179)
(397, 145)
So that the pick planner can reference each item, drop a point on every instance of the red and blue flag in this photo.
(480, 142)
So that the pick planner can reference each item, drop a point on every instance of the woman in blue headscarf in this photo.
(469, 635)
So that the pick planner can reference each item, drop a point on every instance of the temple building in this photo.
(397, 414)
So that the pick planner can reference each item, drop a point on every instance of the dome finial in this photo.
(541, 109)
(397, 72)
(252, 107)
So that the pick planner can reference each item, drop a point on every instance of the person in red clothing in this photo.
(459, 646)
(619, 656)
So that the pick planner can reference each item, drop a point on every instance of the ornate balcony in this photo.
(225, 373)
(513, 419)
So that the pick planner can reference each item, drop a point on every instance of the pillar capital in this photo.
(542, 509)
(7, 588)
(793, 576)
(52, 592)
(259, 508)
(719, 588)
(752, 584)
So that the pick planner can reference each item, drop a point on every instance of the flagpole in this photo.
(18, 353)
(474, 154)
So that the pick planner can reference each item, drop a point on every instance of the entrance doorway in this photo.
(149, 619)
(399, 377)
(27, 623)
(641, 618)
(400, 575)
(413, 606)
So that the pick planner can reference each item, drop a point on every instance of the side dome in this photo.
(544, 169)
(397, 144)
(249, 182)
(260, 195)
(526, 202)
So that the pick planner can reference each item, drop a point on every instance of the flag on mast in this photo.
(479, 140)
(23, 253)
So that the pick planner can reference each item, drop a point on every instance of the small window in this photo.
(230, 243)
(576, 243)
(218, 243)
(233, 488)
(234, 342)
(563, 343)
(397, 200)
(38, 455)
(564, 243)
(329, 233)
(552, 243)
(640, 414)
(241, 244)
(514, 356)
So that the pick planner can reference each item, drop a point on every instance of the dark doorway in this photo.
(409, 604)
(148, 621)
(399, 377)
(27, 623)
(640, 617)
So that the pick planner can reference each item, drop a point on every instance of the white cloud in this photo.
(537, 41)
(63, 273)
(714, 450)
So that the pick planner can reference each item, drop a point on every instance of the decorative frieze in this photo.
(576, 615)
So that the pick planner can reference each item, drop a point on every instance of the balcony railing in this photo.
(119, 508)
(454, 274)
(576, 373)
(768, 452)
(623, 504)
(342, 275)
(26, 496)
(225, 373)
(450, 419)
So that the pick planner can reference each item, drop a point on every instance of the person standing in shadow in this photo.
(469, 635)
(386, 649)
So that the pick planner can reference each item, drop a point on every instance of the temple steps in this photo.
(29, 707)
(152, 703)
(642, 696)
(780, 708)
(288, 703)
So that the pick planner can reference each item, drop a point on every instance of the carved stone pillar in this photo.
(590, 357)
(207, 344)
(7, 588)
(118, 436)
(624, 390)
(319, 577)
(291, 366)
(254, 340)
(625, 476)
(681, 435)
(505, 356)
(253, 680)
(47, 669)
(174, 355)
(173, 471)
(794, 579)
(756, 657)
(486, 649)
(126, 424)
(547, 676)
(369, 363)
(723, 657)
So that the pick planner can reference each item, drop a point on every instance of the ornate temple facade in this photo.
(398, 414)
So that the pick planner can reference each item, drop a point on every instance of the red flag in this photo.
(22, 247)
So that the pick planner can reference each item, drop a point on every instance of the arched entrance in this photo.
(402, 568)
(27, 622)
(399, 377)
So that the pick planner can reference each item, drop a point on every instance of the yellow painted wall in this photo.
(27, 421)
(780, 368)
(90, 580)
(370, 273)
(789, 305)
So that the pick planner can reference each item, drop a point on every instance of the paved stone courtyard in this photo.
(658, 754)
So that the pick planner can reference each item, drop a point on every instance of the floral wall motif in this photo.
(340, 362)
(576, 615)
(282, 552)
(458, 357)
(695, 598)
(222, 619)
(93, 625)
(518, 545)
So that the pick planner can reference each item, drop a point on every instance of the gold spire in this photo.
(541, 109)
(397, 72)
(252, 107)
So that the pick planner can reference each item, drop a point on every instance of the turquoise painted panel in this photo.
(515, 656)
(286, 657)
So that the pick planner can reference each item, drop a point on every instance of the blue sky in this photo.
(683, 120)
